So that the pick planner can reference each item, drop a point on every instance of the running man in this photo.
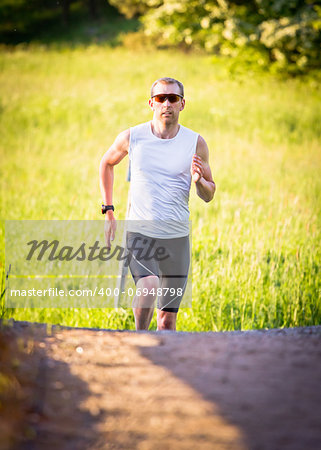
(165, 157)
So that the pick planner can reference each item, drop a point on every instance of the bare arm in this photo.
(113, 156)
(201, 172)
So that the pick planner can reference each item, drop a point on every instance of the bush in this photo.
(287, 31)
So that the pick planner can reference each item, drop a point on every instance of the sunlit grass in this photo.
(256, 248)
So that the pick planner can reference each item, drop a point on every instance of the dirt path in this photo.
(124, 390)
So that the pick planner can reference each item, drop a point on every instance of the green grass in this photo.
(256, 248)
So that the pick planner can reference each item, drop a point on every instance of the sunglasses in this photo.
(172, 98)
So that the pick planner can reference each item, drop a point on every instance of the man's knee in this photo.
(150, 284)
(166, 320)
(147, 289)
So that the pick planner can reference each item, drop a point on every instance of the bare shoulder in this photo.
(122, 140)
(202, 148)
(118, 150)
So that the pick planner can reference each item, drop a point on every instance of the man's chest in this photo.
(165, 159)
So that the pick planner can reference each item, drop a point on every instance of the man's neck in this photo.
(164, 130)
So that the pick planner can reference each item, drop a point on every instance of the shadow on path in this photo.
(41, 404)
(267, 383)
(100, 389)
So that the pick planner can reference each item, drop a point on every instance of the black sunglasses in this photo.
(172, 98)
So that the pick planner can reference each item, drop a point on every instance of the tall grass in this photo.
(256, 248)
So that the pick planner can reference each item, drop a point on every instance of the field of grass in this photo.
(256, 247)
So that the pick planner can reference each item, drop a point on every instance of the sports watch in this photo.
(105, 208)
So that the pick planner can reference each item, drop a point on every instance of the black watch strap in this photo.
(105, 208)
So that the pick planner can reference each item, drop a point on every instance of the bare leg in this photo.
(143, 305)
(143, 317)
(166, 320)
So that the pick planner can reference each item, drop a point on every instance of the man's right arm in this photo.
(115, 153)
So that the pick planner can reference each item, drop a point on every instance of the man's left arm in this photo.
(201, 172)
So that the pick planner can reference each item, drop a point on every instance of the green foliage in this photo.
(134, 8)
(288, 32)
(291, 32)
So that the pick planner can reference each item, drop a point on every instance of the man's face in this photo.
(167, 112)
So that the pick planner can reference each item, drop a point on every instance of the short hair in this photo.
(167, 80)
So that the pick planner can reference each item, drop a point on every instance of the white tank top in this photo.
(160, 181)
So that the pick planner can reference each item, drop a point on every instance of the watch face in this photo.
(105, 208)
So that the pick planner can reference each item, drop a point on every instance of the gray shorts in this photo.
(168, 259)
